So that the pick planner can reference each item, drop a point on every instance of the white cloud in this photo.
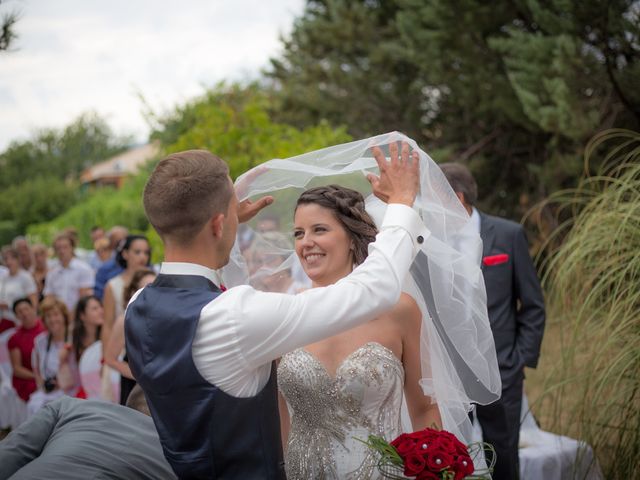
(73, 56)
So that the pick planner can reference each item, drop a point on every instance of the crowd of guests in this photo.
(58, 302)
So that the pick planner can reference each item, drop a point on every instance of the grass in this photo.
(587, 385)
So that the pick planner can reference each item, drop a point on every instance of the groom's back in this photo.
(204, 432)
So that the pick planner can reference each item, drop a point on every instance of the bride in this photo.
(423, 363)
(351, 385)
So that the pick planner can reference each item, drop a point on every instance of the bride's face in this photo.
(322, 244)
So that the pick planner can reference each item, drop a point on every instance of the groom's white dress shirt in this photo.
(243, 330)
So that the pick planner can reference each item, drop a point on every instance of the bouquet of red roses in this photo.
(427, 455)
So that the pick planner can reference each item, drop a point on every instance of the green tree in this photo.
(514, 88)
(60, 153)
(231, 121)
(35, 200)
(234, 122)
(343, 63)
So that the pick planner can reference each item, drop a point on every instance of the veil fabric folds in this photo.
(458, 356)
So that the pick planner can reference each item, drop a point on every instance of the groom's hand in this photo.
(248, 209)
(399, 180)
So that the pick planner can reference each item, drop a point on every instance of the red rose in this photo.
(445, 443)
(413, 465)
(404, 445)
(438, 460)
(463, 465)
(427, 475)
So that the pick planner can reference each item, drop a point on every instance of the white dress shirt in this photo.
(66, 282)
(243, 330)
(467, 241)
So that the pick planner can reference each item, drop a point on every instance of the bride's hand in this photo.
(399, 180)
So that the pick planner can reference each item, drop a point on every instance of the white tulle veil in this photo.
(459, 365)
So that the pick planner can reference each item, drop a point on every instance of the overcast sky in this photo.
(73, 56)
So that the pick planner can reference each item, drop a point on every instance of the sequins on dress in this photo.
(329, 415)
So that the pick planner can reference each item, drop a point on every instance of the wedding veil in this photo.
(458, 356)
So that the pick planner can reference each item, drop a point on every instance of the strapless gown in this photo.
(330, 415)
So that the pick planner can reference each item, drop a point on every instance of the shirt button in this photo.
(420, 239)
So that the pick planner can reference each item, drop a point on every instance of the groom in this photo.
(204, 357)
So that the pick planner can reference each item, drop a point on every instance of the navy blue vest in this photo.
(204, 432)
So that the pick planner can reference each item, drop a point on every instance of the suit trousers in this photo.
(500, 422)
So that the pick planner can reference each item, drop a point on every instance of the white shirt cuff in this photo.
(405, 217)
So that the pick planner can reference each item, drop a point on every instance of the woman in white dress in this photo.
(134, 254)
(422, 363)
(351, 385)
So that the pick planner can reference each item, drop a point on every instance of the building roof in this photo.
(126, 163)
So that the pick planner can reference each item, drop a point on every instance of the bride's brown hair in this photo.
(347, 206)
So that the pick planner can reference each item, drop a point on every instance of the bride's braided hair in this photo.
(348, 207)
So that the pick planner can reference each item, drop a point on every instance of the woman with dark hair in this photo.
(133, 254)
(351, 385)
(113, 349)
(87, 324)
(88, 321)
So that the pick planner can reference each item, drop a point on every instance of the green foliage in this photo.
(343, 63)
(231, 121)
(61, 153)
(104, 207)
(593, 286)
(514, 89)
(234, 123)
(35, 200)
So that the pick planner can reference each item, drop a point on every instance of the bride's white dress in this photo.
(329, 415)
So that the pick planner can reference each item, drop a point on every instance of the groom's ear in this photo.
(216, 224)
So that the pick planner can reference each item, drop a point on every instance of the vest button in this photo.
(420, 239)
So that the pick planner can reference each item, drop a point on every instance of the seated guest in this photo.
(110, 268)
(103, 252)
(21, 244)
(86, 331)
(40, 267)
(20, 346)
(80, 439)
(71, 278)
(17, 283)
(47, 348)
(115, 345)
(94, 259)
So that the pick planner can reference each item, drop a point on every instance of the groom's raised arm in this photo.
(269, 325)
(263, 326)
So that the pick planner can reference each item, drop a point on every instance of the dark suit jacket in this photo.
(514, 297)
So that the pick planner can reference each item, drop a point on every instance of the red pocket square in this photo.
(495, 259)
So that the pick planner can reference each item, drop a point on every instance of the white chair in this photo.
(13, 411)
(91, 368)
(547, 456)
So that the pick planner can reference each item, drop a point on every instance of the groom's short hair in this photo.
(184, 191)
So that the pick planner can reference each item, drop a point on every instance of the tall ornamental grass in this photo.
(592, 283)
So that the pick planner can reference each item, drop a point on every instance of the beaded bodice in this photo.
(329, 414)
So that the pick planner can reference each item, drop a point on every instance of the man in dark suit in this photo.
(516, 314)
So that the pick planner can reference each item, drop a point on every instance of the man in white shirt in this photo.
(204, 358)
(71, 278)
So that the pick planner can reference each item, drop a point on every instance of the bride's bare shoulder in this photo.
(406, 311)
